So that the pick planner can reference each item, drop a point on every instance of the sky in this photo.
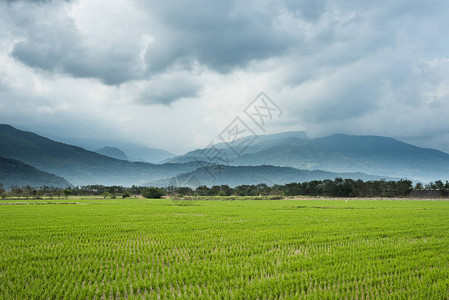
(174, 74)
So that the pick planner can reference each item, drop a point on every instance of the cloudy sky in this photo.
(174, 74)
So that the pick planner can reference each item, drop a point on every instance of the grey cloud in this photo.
(167, 89)
(369, 54)
(56, 45)
(35, 1)
(222, 35)
(340, 65)
(66, 56)
(309, 9)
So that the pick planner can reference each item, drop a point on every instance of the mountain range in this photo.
(14, 172)
(112, 152)
(375, 155)
(80, 166)
(271, 159)
(241, 175)
(133, 152)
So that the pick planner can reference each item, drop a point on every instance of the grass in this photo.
(140, 248)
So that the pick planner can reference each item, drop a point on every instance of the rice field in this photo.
(210, 249)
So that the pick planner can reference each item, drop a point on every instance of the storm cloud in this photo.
(345, 66)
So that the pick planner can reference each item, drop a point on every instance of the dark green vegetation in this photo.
(153, 193)
(333, 188)
(373, 155)
(270, 175)
(328, 188)
(313, 249)
(13, 172)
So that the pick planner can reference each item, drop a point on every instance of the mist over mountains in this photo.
(133, 152)
(248, 175)
(13, 172)
(375, 155)
(112, 152)
(77, 165)
(28, 158)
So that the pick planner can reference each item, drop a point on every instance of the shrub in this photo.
(153, 193)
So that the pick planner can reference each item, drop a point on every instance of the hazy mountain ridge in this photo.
(134, 152)
(241, 175)
(303, 159)
(80, 166)
(375, 155)
(262, 142)
(112, 152)
(13, 172)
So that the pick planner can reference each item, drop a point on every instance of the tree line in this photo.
(333, 188)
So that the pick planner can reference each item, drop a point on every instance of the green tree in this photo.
(153, 193)
(2, 191)
(222, 193)
(67, 193)
(202, 190)
(419, 186)
(184, 191)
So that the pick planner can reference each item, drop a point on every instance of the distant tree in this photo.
(419, 186)
(202, 190)
(228, 190)
(184, 191)
(125, 195)
(3, 194)
(439, 184)
(2, 190)
(34, 194)
(222, 193)
(213, 191)
(106, 195)
(67, 193)
(403, 188)
(263, 189)
(431, 186)
(16, 191)
(153, 193)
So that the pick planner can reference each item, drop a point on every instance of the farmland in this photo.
(244, 249)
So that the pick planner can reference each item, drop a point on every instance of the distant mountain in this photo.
(79, 166)
(234, 176)
(134, 152)
(13, 172)
(376, 155)
(145, 154)
(112, 152)
(260, 143)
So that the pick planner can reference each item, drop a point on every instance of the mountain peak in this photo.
(112, 152)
